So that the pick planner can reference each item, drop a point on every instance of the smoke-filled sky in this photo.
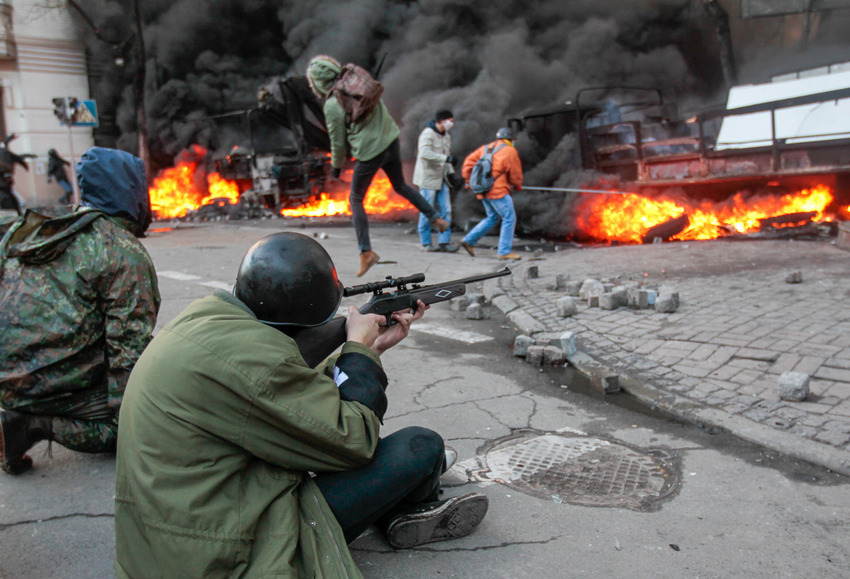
(484, 60)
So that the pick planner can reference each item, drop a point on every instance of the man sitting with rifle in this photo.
(237, 458)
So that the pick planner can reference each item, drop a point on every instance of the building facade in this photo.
(41, 57)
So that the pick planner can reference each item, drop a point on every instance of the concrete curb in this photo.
(693, 412)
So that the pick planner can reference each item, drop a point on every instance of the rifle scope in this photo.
(377, 286)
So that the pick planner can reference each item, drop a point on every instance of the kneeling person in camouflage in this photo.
(78, 303)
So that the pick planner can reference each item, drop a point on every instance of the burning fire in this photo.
(628, 218)
(183, 188)
(186, 187)
(380, 199)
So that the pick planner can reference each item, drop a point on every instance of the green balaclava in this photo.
(322, 71)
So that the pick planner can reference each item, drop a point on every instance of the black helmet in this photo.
(288, 279)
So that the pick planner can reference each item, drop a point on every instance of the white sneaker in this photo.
(451, 458)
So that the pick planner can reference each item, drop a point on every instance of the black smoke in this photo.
(486, 61)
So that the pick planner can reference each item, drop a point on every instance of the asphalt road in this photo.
(731, 509)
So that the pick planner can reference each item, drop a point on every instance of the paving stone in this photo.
(793, 386)
(592, 301)
(842, 409)
(559, 283)
(757, 354)
(785, 362)
(567, 307)
(725, 372)
(591, 287)
(804, 431)
(746, 376)
(607, 301)
(838, 426)
(474, 311)
(505, 304)
(525, 322)
(553, 355)
(778, 423)
(667, 303)
(833, 437)
(521, 345)
(838, 363)
(691, 370)
(794, 277)
(572, 288)
(836, 374)
(532, 272)
(534, 355)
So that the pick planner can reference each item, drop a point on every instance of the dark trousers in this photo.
(405, 471)
(82, 421)
(364, 172)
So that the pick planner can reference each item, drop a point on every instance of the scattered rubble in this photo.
(793, 386)
(794, 277)
(474, 311)
(559, 283)
(591, 287)
(567, 306)
(667, 303)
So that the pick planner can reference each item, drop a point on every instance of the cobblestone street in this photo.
(718, 358)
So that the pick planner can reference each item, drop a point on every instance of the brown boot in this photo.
(440, 224)
(367, 260)
(18, 433)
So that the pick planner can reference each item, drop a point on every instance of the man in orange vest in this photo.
(498, 204)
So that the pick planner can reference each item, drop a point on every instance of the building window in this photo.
(8, 50)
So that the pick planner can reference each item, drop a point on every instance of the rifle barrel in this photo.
(482, 277)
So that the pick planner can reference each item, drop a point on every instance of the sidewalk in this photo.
(716, 361)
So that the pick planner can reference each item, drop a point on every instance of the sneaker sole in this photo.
(455, 518)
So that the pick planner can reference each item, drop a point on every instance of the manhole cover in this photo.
(583, 470)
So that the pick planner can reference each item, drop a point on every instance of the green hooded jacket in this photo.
(365, 139)
(221, 423)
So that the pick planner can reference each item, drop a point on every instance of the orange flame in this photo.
(380, 200)
(177, 190)
(628, 218)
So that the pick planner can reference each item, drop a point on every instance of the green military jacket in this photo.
(221, 423)
(365, 139)
(78, 304)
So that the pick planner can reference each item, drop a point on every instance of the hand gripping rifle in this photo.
(319, 342)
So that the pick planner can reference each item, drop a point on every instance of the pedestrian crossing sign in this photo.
(84, 114)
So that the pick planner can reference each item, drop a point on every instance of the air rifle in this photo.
(319, 342)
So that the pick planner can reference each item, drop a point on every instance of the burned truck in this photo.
(783, 135)
(286, 163)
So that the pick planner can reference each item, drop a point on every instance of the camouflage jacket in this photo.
(78, 303)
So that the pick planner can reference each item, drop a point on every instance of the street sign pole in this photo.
(74, 185)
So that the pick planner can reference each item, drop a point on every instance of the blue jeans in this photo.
(496, 209)
(442, 202)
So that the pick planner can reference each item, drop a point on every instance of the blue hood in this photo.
(114, 182)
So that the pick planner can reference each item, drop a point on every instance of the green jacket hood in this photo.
(36, 238)
(322, 72)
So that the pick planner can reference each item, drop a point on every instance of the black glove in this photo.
(451, 160)
(336, 172)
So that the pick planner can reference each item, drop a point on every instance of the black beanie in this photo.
(443, 115)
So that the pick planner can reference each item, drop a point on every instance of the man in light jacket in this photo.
(434, 165)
